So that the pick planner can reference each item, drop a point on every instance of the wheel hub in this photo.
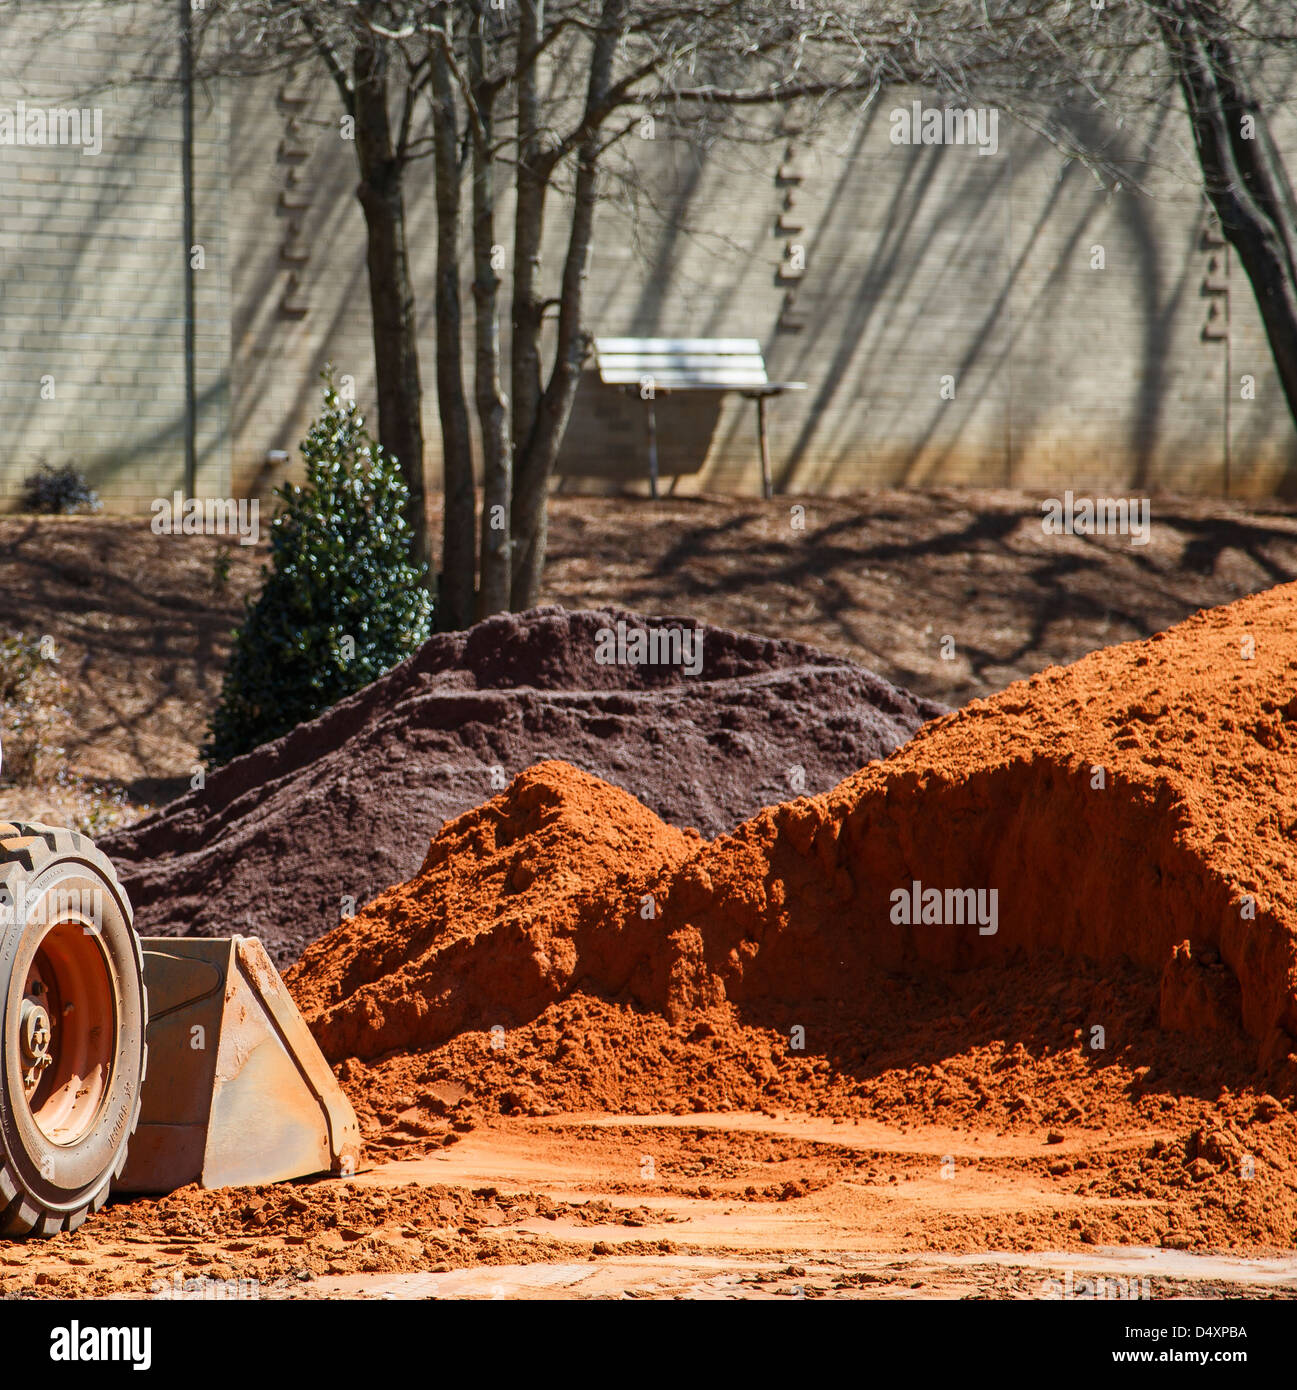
(66, 1032)
(36, 1038)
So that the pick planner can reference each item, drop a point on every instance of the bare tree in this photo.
(382, 156)
(541, 93)
(1243, 172)
(1083, 74)
(547, 91)
(537, 93)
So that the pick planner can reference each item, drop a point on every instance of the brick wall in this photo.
(92, 277)
(920, 264)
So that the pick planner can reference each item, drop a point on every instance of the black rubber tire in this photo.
(47, 1187)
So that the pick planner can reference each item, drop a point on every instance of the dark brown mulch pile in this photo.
(284, 842)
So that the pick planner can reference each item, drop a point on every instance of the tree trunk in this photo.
(531, 185)
(391, 296)
(535, 462)
(458, 588)
(1243, 172)
(492, 406)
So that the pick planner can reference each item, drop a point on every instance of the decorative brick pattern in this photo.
(917, 266)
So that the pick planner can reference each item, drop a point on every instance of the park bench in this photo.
(653, 367)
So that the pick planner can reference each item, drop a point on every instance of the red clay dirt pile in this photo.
(1107, 813)
(282, 842)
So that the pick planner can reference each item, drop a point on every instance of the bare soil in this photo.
(881, 578)
(140, 627)
(704, 745)
(142, 623)
(657, 1206)
(917, 1201)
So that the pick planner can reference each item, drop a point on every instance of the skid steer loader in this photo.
(141, 1064)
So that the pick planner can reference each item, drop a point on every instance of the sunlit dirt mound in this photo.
(1144, 797)
(1113, 810)
(501, 915)
(1152, 1138)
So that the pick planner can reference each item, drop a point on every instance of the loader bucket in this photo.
(236, 1091)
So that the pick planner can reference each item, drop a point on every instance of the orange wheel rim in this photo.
(66, 1032)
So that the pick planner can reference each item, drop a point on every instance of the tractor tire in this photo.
(73, 1012)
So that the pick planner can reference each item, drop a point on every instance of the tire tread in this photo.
(25, 847)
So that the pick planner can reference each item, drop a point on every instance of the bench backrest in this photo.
(681, 363)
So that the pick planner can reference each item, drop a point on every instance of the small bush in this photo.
(96, 808)
(20, 659)
(340, 603)
(59, 492)
(31, 710)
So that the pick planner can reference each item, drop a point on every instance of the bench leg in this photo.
(767, 487)
(652, 448)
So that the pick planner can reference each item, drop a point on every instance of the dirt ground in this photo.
(713, 1204)
(141, 622)
(140, 627)
(882, 578)
(657, 1206)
